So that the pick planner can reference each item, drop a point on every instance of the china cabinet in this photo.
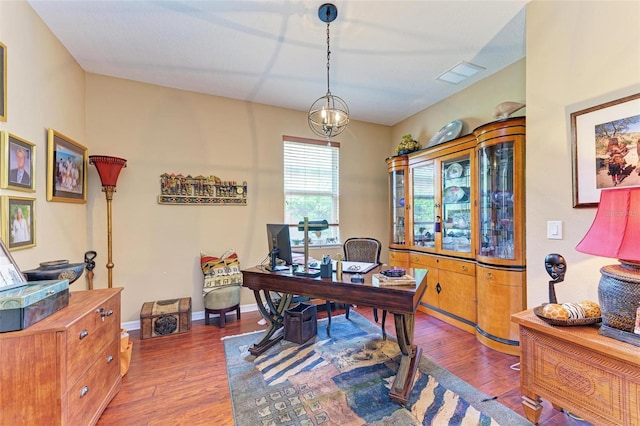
(458, 210)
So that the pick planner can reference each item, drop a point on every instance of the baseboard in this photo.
(135, 325)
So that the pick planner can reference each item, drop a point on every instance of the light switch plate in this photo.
(554, 229)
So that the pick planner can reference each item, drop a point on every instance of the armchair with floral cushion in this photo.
(222, 285)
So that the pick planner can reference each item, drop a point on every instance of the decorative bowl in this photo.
(565, 323)
(56, 270)
(394, 272)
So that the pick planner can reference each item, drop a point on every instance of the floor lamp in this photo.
(108, 170)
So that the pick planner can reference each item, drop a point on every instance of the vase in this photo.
(56, 270)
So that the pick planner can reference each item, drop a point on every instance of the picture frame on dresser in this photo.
(18, 163)
(66, 169)
(3, 82)
(18, 222)
(605, 148)
(10, 275)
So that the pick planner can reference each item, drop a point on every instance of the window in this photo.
(311, 188)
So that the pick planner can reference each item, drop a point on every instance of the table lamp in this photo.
(310, 225)
(108, 170)
(615, 233)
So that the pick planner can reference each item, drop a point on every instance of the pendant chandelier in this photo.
(329, 115)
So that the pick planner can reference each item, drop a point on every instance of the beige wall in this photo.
(473, 105)
(579, 54)
(157, 247)
(46, 89)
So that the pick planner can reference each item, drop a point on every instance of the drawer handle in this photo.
(50, 292)
(489, 274)
(464, 268)
(84, 391)
(110, 312)
(438, 288)
(109, 359)
(84, 333)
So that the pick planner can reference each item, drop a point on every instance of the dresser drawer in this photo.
(458, 266)
(86, 396)
(89, 336)
(399, 259)
(496, 276)
(423, 261)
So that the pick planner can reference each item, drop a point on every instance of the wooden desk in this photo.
(575, 368)
(401, 301)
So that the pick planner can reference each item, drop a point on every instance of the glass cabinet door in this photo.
(496, 203)
(456, 204)
(424, 207)
(397, 185)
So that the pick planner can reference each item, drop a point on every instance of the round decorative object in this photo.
(591, 309)
(56, 270)
(555, 311)
(538, 310)
(454, 171)
(454, 194)
(502, 198)
(447, 133)
(575, 310)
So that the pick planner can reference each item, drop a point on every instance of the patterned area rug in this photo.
(345, 380)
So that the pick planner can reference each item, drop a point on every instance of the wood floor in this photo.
(182, 379)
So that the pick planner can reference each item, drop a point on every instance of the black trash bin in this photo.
(300, 323)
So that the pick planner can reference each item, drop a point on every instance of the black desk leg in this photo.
(277, 303)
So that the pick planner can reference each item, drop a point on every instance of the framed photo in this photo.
(3, 82)
(10, 275)
(606, 148)
(66, 169)
(18, 163)
(18, 222)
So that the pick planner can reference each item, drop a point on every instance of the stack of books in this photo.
(382, 280)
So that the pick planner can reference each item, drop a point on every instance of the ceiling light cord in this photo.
(328, 56)
(328, 115)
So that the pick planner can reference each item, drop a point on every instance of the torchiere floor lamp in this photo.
(108, 170)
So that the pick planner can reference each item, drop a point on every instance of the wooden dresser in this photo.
(575, 368)
(65, 369)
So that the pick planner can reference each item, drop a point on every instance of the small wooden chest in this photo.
(165, 317)
(22, 307)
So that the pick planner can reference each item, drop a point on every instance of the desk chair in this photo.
(361, 249)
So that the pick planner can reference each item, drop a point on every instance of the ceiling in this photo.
(385, 55)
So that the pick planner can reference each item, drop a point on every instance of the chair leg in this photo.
(375, 314)
(238, 313)
(328, 318)
(384, 320)
(347, 308)
(223, 319)
(206, 317)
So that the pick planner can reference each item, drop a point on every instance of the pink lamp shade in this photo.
(108, 168)
(615, 231)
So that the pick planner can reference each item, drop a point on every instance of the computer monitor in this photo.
(279, 243)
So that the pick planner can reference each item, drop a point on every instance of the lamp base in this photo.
(623, 336)
(619, 298)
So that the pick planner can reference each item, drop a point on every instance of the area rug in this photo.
(345, 380)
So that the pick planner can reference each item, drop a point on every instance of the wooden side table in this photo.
(575, 368)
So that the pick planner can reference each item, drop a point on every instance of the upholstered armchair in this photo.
(222, 285)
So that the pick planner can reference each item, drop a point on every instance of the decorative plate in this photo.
(565, 323)
(454, 171)
(454, 194)
(447, 133)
